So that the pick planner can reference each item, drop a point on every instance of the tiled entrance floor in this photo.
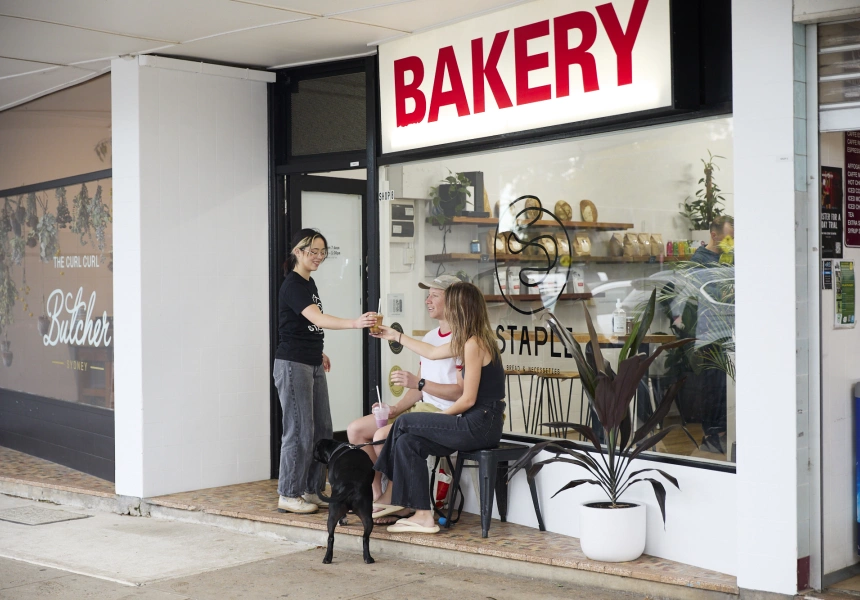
(257, 501)
(17, 467)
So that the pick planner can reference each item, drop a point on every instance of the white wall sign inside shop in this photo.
(70, 321)
(538, 64)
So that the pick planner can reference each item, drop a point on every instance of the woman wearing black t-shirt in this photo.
(299, 372)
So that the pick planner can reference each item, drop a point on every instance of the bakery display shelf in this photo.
(456, 257)
(533, 297)
(490, 221)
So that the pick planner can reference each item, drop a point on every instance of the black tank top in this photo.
(492, 385)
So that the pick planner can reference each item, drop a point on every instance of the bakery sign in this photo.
(538, 64)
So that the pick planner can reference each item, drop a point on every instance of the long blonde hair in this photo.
(466, 313)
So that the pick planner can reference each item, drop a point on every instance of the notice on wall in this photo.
(852, 184)
(843, 282)
(831, 212)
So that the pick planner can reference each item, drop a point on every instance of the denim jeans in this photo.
(415, 436)
(306, 419)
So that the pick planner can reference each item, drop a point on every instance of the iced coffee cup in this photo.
(380, 413)
(375, 328)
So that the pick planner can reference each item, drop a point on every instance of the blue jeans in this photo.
(306, 419)
(415, 436)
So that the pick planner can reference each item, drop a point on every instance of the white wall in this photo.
(766, 321)
(191, 276)
(840, 366)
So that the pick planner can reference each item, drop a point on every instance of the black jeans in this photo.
(415, 436)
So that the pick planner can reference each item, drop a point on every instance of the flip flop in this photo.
(384, 510)
(389, 520)
(407, 526)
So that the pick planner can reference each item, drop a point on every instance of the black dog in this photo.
(350, 473)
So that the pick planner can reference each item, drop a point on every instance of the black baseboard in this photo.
(74, 435)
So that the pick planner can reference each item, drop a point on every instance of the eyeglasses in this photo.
(317, 253)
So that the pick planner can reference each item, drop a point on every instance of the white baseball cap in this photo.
(439, 283)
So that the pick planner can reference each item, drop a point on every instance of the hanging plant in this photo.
(5, 219)
(19, 245)
(49, 245)
(100, 217)
(64, 217)
(81, 215)
(32, 211)
(8, 294)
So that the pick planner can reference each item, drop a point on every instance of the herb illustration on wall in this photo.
(32, 223)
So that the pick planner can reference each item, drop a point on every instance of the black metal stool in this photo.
(492, 467)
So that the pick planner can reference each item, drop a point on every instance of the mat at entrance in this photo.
(258, 501)
(37, 515)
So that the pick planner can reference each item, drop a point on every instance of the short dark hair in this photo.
(720, 222)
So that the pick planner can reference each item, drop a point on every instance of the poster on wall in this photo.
(831, 212)
(843, 280)
(852, 184)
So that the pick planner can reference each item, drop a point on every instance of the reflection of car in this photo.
(697, 299)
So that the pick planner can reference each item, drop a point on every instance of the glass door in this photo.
(334, 207)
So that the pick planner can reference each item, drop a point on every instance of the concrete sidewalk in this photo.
(108, 556)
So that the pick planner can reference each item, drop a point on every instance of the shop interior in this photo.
(613, 207)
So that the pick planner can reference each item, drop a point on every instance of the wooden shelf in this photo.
(532, 297)
(457, 257)
(489, 221)
(582, 338)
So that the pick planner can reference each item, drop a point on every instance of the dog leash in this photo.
(347, 446)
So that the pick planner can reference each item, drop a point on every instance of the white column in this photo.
(191, 276)
(128, 373)
(763, 93)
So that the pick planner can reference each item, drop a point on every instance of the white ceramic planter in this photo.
(612, 534)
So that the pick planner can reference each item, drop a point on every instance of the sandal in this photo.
(383, 510)
(407, 526)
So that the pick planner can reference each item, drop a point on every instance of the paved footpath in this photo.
(112, 557)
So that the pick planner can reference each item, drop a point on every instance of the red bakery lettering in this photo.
(524, 63)
(622, 42)
(404, 91)
(565, 56)
(447, 61)
(489, 71)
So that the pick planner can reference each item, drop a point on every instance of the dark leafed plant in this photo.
(609, 395)
(449, 198)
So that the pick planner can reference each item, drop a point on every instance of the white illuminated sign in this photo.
(538, 64)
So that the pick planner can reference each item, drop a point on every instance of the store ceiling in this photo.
(46, 45)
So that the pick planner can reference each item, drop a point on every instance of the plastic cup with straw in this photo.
(381, 411)
(375, 328)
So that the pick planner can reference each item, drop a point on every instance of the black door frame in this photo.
(283, 169)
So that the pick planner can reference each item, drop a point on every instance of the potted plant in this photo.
(708, 203)
(449, 197)
(613, 530)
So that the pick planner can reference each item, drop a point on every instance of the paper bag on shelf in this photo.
(582, 244)
(616, 244)
(657, 244)
(645, 244)
(631, 245)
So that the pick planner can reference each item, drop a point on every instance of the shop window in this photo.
(56, 247)
(613, 227)
(839, 63)
(328, 115)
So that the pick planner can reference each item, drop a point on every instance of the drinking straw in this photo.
(379, 310)
(378, 397)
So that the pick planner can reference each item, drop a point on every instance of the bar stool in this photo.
(492, 468)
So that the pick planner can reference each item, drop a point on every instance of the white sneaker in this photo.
(296, 505)
(315, 499)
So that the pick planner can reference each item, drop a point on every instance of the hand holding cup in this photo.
(385, 333)
(366, 320)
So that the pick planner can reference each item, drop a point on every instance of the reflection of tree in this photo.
(699, 302)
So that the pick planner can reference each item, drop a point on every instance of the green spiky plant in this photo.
(610, 395)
